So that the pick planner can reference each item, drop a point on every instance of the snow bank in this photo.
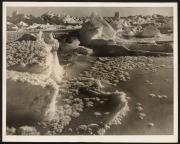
(33, 72)
(29, 93)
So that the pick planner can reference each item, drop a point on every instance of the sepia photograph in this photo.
(96, 72)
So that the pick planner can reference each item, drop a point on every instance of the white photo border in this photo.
(104, 138)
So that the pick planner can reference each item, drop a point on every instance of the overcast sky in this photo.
(86, 11)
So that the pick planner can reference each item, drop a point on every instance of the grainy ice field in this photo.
(125, 95)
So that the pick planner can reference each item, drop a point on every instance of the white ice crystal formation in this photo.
(117, 99)
(33, 72)
(27, 130)
(10, 131)
(114, 69)
(90, 129)
(158, 96)
(67, 108)
(150, 124)
(123, 100)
